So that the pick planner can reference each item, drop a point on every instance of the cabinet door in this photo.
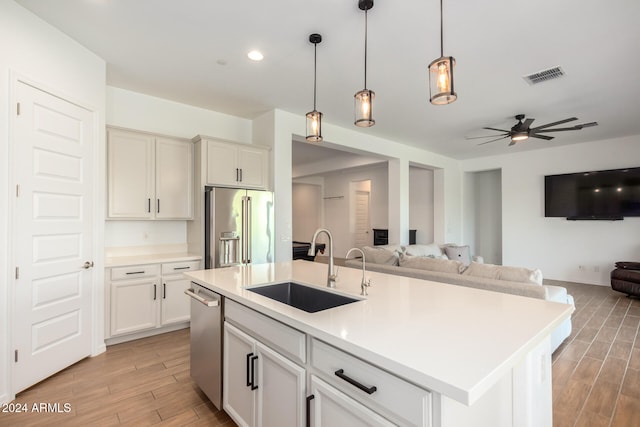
(176, 306)
(331, 408)
(253, 164)
(222, 163)
(134, 305)
(174, 179)
(238, 398)
(281, 390)
(130, 171)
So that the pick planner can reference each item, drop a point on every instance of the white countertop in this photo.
(454, 340)
(123, 261)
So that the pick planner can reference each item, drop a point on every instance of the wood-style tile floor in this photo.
(596, 376)
(138, 383)
(596, 371)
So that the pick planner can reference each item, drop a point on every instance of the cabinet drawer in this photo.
(135, 271)
(179, 267)
(393, 395)
(290, 342)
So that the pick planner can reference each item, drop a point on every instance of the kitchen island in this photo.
(482, 357)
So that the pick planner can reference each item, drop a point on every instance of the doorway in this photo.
(52, 237)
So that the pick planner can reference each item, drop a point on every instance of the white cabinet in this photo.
(149, 176)
(330, 407)
(147, 297)
(262, 387)
(238, 165)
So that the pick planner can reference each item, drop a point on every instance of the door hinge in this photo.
(18, 109)
(17, 272)
(18, 190)
(16, 356)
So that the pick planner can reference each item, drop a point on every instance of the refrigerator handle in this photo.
(249, 233)
(244, 230)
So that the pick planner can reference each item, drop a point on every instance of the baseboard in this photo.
(146, 334)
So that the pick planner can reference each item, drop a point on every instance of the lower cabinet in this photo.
(330, 407)
(262, 387)
(147, 297)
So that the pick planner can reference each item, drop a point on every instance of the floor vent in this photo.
(544, 75)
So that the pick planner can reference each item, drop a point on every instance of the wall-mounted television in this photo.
(605, 195)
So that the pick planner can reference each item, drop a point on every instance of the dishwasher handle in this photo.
(207, 302)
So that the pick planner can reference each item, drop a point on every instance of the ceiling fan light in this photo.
(441, 81)
(364, 108)
(314, 126)
(520, 136)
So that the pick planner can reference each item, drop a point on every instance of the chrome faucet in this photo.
(365, 283)
(331, 276)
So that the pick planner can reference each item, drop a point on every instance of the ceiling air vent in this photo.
(544, 75)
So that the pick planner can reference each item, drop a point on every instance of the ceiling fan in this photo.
(523, 130)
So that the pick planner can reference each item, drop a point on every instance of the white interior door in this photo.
(51, 238)
(362, 235)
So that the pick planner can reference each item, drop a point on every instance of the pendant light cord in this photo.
(441, 33)
(365, 48)
(315, 70)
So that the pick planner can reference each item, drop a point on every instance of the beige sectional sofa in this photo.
(395, 259)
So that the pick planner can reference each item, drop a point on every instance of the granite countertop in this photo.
(450, 339)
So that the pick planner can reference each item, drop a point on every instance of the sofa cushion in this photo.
(378, 255)
(459, 253)
(431, 250)
(503, 272)
(432, 264)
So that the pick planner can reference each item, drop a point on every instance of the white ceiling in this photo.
(194, 52)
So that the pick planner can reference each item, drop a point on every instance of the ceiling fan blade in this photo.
(512, 143)
(559, 122)
(499, 130)
(494, 140)
(527, 123)
(576, 127)
(535, 135)
(479, 137)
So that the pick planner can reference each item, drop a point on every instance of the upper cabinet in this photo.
(149, 176)
(236, 165)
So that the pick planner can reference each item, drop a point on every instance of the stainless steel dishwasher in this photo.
(206, 341)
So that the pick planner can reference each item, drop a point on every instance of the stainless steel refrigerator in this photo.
(238, 227)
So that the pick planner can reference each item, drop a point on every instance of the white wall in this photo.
(338, 212)
(307, 210)
(555, 245)
(485, 204)
(36, 51)
(421, 204)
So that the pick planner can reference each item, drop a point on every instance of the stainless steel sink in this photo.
(302, 297)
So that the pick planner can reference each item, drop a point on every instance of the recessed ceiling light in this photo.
(255, 55)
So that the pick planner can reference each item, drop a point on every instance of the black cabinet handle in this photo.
(164, 291)
(158, 205)
(253, 373)
(369, 390)
(154, 292)
(309, 399)
(237, 174)
(135, 272)
(149, 205)
(249, 370)
(240, 175)
(181, 268)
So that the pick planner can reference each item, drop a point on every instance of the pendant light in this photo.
(364, 98)
(441, 75)
(314, 118)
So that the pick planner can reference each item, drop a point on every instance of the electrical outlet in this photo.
(581, 267)
(596, 269)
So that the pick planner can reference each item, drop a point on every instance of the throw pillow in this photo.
(432, 264)
(459, 253)
(376, 255)
(424, 250)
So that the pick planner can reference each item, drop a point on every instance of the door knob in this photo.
(87, 265)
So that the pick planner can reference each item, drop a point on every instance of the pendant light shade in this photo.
(441, 87)
(363, 100)
(314, 118)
